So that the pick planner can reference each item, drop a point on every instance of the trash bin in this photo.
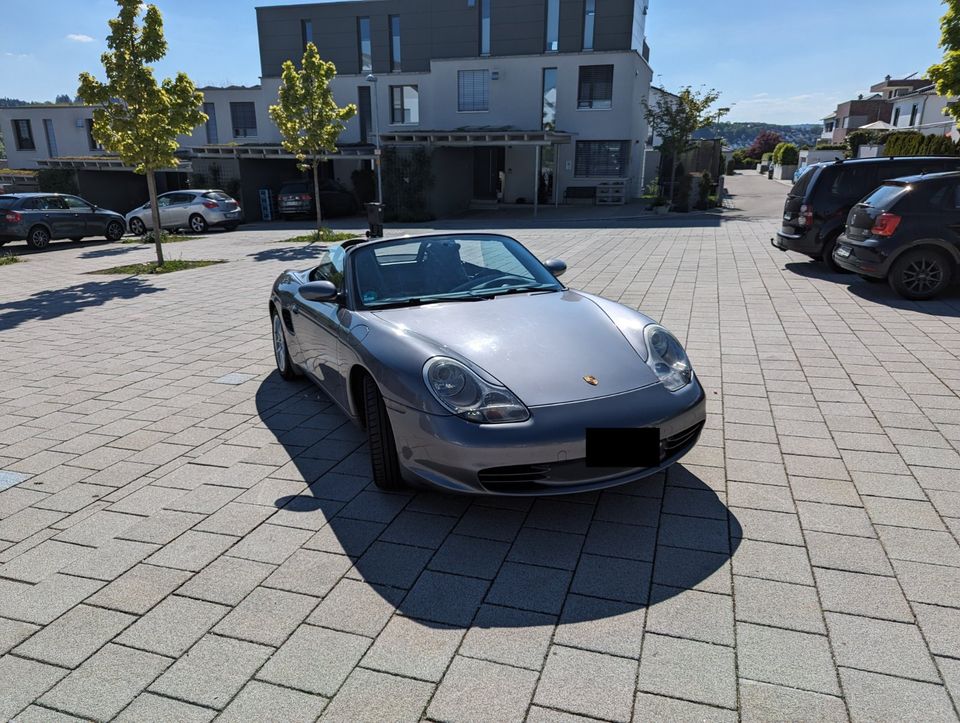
(375, 220)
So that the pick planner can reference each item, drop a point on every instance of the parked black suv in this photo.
(908, 231)
(817, 206)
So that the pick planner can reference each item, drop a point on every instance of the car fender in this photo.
(952, 250)
(39, 222)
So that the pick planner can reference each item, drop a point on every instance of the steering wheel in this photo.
(493, 281)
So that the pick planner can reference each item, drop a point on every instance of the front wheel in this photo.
(198, 224)
(383, 446)
(39, 237)
(281, 353)
(114, 231)
(137, 227)
(921, 274)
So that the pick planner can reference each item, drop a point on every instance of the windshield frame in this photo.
(466, 295)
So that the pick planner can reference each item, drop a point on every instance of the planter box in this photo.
(661, 210)
(784, 173)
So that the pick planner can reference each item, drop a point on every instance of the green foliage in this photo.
(323, 235)
(703, 191)
(134, 116)
(156, 268)
(824, 146)
(946, 73)
(766, 157)
(58, 180)
(786, 154)
(364, 184)
(309, 119)
(731, 167)
(406, 180)
(914, 143)
(8, 258)
(860, 137)
(148, 238)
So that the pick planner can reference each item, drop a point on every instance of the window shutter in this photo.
(601, 159)
(473, 90)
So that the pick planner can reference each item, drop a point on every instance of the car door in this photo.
(319, 328)
(63, 222)
(181, 208)
(92, 224)
(164, 202)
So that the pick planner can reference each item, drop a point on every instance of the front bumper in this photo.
(545, 454)
(861, 258)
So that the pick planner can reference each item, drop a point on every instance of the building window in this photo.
(306, 32)
(549, 99)
(395, 43)
(405, 104)
(484, 27)
(896, 117)
(553, 26)
(913, 114)
(91, 141)
(211, 124)
(366, 48)
(601, 159)
(51, 137)
(596, 87)
(589, 16)
(473, 90)
(364, 112)
(23, 135)
(243, 116)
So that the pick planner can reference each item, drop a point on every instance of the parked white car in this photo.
(195, 209)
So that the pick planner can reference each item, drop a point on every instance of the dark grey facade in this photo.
(434, 29)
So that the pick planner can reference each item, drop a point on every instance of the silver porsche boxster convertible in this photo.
(473, 369)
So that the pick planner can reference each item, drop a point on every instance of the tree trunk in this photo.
(155, 212)
(316, 193)
(673, 177)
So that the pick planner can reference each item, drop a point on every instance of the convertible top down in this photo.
(473, 369)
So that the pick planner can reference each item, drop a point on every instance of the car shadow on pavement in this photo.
(113, 251)
(300, 252)
(498, 562)
(54, 303)
(946, 304)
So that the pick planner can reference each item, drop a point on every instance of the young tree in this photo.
(136, 117)
(946, 74)
(765, 142)
(676, 118)
(309, 119)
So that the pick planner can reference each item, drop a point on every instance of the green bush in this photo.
(824, 146)
(786, 154)
(914, 143)
(703, 195)
(859, 137)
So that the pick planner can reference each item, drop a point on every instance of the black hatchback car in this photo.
(907, 231)
(817, 206)
(42, 217)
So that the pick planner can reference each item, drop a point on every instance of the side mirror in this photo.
(319, 291)
(555, 267)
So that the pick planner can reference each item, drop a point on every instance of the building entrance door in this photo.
(488, 165)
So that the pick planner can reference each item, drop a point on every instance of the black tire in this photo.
(870, 279)
(114, 231)
(231, 227)
(921, 274)
(383, 447)
(76, 239)
(197, 223)
(826, 255)
(281, 352)
(38, 237)
(137, 227)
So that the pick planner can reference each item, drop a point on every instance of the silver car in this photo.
(473, 369)
(196, 209)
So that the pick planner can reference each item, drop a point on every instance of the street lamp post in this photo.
(376, 129)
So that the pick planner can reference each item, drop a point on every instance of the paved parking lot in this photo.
(183, 535)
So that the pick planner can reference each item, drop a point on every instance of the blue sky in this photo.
(835, 48)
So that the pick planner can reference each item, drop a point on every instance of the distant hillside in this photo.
(741, 135)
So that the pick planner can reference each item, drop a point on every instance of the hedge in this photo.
(914, 143)
(786, 154)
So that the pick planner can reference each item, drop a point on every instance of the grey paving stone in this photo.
(611, 539)
(871, 696)
(315, 660)
(941, 628)
(419, 529)
(857, 594)
(371, 697)
(471, 556)
(172, 626)
(478, 690)
(835, 518)
(442, 598)
(918, 514)
(266, 616)
(147, 500)
(345, 537)
(694, 533)
(227, 580)
(309, 572)
(106, 682)
(825, 491)
(262, 701)
(204, 500)
(786, 657)
(881, 646)
(688, 669)
(46, 601)
(659, 708)
(413, 649)
(192, 551)
(75, 636)
(692, 614)
(693, 569)
(139, 589)
(761, 702)
(604, 626)
(213, 671)
(20, 525)
(375, 506)
(693, 503)
(23, 682)
(161, 528)
(786, 563)
(588, 683)
(357, 607)
(768, 526)
(39, 714)
(760, 496)
(150, 707)
(934, 547)
(530, 588)
(842, 552)
(934, 584)
(270, 543)
(779, 604)
(43, 561)
(504, 635)
(235, 519)
(14, 632)
(389, 564)
(549, 715)
(491, 524)
(110, 560)
(547, 548)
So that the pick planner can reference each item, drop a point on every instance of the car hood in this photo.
(541, 346)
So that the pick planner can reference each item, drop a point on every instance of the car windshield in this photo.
(885, 195)
(446, 268)
(293, 188)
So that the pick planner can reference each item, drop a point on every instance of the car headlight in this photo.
(667, 358)
(463, 392)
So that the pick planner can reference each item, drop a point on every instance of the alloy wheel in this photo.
(279, 344)
(922, 275)
(39, 238)
(198, 225)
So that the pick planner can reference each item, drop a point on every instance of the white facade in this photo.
(923, 111)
